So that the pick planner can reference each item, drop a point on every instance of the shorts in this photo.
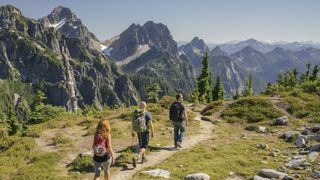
(99, 165)
(143, 139)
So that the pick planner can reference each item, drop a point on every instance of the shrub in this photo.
(212, 108)
(44, 113)
(166, 101)
(82, 163)
(59, 139)
(252, 110)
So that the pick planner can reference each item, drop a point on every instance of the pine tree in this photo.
(194, 97)
(306, 77)
(236, 96)
(218, 90)
(205, 81)
(14, 125)
(153, 93)
(315, 73)
(248, 91)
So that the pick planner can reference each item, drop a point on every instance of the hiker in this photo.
(179, 118)
(103, 154)
(141, 125)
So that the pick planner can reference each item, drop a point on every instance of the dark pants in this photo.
(143, 139)
(179, 131)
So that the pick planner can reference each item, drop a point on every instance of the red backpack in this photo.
(99, 145)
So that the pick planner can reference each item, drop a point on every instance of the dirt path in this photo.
(80, 144)
(158, 157)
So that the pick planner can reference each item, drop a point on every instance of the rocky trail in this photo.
(164, 153)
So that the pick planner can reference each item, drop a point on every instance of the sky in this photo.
(215, 21)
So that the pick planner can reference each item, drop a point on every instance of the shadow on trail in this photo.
(157, 148)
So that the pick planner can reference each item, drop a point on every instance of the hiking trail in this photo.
(155, 158)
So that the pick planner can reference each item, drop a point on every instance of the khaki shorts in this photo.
(99, 165)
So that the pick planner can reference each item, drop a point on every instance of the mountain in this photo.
(218, 52)
(262, 46)
(66, 22)
(150, 51)
(62, 65)
(194, 51)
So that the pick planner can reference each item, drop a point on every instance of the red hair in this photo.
(103, 128)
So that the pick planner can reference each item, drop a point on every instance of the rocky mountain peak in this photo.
(218, 52)
(9, 9)
(198, 43)
(59, 13)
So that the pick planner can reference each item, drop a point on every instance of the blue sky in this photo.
(212, 20)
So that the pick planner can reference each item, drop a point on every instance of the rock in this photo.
(290, 135)
(270, 173)
(315, 129)
(273, 154)
(313, 156)
(315, 148)
(157, 173)
(262, 146)
(313, 138)
(276, 150)
(303, 152)
(315, 174)
(89, 153)
(262, 129)
(197, 176)
(301, 142)
(256, 177)
(295, 163)
(305, 132)
(281, 121)
(181, 166)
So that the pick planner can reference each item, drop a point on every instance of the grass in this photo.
(251, 110)
(223, 154)
(60, 139)
(302, 105)
(82, 164)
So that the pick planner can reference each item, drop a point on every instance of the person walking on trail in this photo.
(103, 154)
(179, 118)
(142, 127)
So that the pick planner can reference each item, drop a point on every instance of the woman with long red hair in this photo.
(102, 148)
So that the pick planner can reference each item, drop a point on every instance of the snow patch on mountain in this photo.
(59, 24)
(140, 50)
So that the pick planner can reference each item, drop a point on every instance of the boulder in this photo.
(315, 174)
(197, 176)
(270, 173)
(256, 177)
(157, 173)
(289, 135)
(313, 156)
(301, 142)
(297, 162)
(262, 146)
(281, 121)
(315, 148)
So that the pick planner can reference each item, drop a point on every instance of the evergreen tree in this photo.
(306, 77)
(194, 97)
(153, 93)
(218, 90)
(204, 81)
(248, 90)
(236, 96)
(315, 73)
(15, 127)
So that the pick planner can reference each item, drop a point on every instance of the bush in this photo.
(166, 101)
(60, 140)
(212, 108)
(82, 163)
(252, 110)
(303, 105)
(44, 113)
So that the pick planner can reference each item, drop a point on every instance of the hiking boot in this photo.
(144, 160)
(134, 162)
(176, 145)
(179, 145)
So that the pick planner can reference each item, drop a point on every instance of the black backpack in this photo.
(176, 111)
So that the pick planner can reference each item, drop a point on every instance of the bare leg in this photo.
(107, 175)
(95, 177)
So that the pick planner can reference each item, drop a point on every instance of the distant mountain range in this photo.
(262, 46)
(75, 69)
(263, 65)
